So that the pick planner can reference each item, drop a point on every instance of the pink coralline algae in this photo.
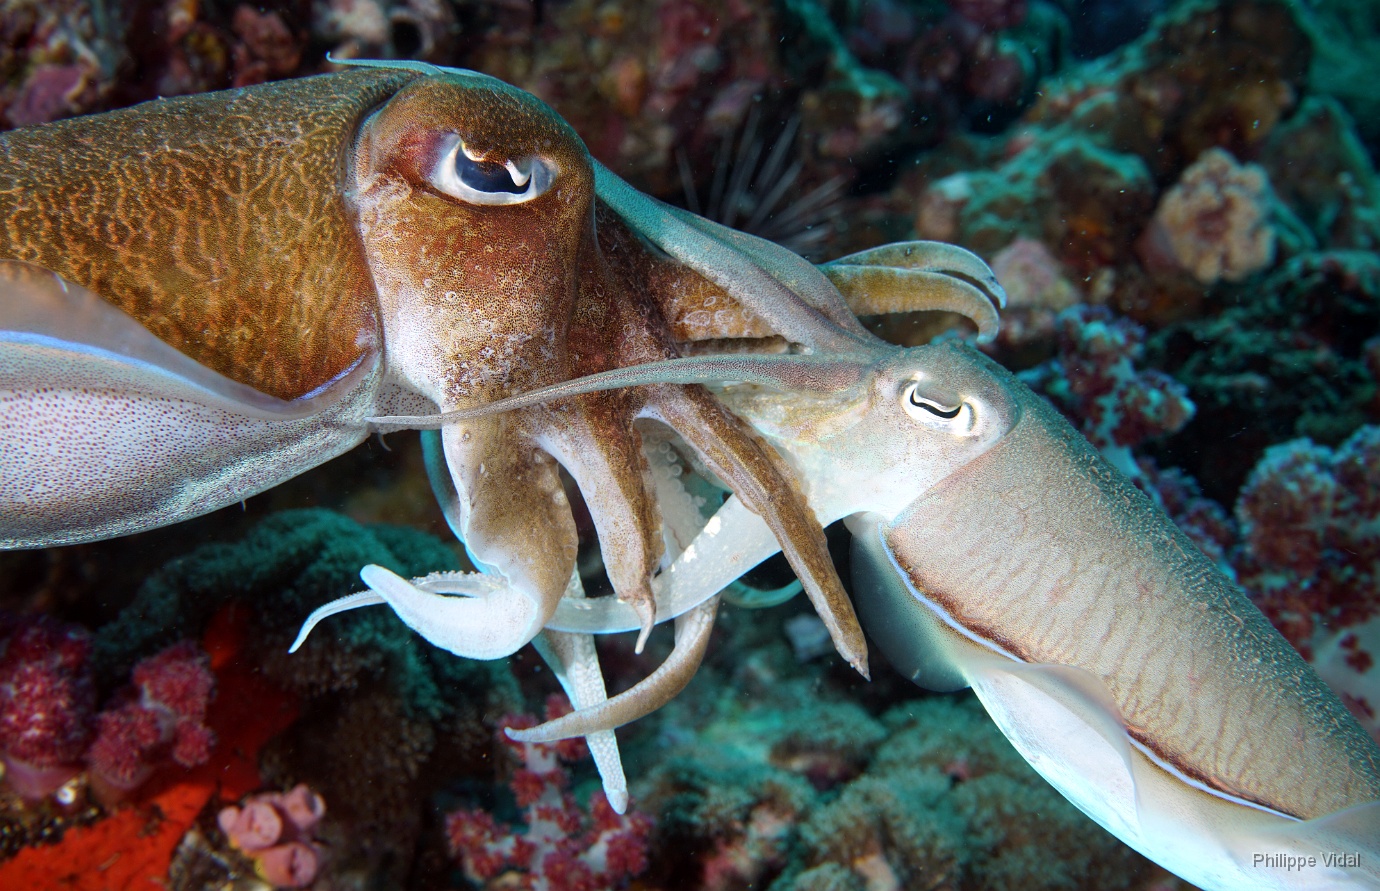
(1095, 380)
(1304, 508)
(162, 715)
(1310, 524)
(1214, 223)
(47, 699)
(277, 830)
(561, 848)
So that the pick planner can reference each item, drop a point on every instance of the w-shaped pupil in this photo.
(946, 413)
(486, 176)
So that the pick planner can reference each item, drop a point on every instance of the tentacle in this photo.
(489, 619)
(748, 597)
(648, 695)
(756, 476)
(816, 374)
(874, 290)
(928, 256)
(733, 541)
(575, 662)
(340, 605)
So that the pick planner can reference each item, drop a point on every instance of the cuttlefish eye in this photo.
(957, 418)
(473, 178)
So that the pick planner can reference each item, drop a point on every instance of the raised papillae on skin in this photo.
(217, 221)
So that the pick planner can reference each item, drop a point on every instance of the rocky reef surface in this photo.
(1182, 203)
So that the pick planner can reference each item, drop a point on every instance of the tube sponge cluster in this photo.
(278, 831)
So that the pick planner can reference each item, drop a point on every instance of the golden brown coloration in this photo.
(216, 221)
(286, 234)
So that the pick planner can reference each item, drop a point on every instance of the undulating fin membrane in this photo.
(107, 430)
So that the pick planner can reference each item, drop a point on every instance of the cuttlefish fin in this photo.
(646, 696)
(466, 613)
(109, 431)
(1064, 722)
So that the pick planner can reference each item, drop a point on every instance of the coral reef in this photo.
(1094, 379)
(935, 797)
(47, 704)
(1186, 230)
(162, 714)
(1285, 359)
(1309, 553)
(1213, 223)
(561, 848)
(384, 718)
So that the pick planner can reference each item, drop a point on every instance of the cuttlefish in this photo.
(206, 295)
(995, 548)
(210, 294)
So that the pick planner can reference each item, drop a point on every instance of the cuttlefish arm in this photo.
(788, 293)
(736, 538)
(575, 663)
(693, 630)
(466, 613)
(451, 609)
(919, 275)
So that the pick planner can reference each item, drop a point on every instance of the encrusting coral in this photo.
(1310, 553)
(1214, 222)
(561, 848)
(1095, 380)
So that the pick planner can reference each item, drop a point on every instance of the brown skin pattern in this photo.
(214, 220)
(504, 278)
(485, 301)
(477, 302)
(622, 320)
(278, 234)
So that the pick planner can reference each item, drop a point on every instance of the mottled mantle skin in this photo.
(214, 220)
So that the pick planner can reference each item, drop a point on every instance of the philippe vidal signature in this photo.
(1292, 862)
